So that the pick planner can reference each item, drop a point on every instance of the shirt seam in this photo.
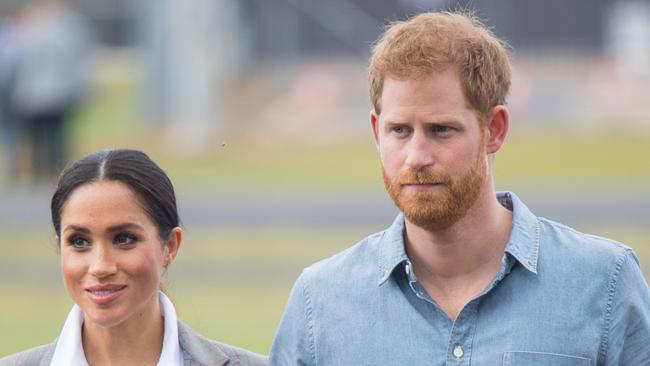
(611, 294)
(381, 248)
(310, 320)
(534, 255)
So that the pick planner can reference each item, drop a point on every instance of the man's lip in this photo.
(422, 184)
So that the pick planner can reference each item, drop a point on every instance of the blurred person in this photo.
(464, 275)
(10, 131)
(53, 45)
(117, 227)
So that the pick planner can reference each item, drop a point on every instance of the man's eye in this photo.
(399, 129)
(125, 239)
(78, 242)
(441, 129)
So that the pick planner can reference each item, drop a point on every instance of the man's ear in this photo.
(374, 123)
(172, 245)
(497, 127)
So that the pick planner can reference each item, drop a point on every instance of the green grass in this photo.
(31, 314)
(575, 159)
(572, 162)
(232, 284)
(227, 284)
(540, 156)
(244, 314)
(264, 246)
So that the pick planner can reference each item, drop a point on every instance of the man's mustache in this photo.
(421, 176)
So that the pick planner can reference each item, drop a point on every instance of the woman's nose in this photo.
(103, 263)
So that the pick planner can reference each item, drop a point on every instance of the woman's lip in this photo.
(105, 294)
(106, 287)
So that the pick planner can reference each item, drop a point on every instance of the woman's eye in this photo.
(78, 242)
(125, 239)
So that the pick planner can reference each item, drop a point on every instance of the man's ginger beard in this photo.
(444, 205)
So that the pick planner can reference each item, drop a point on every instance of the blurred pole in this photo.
(628, 37)
(281, 35)
(188, 48)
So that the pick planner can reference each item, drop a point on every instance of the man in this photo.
(464, 275)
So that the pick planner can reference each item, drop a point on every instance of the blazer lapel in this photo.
(48, 353)
(199, 351)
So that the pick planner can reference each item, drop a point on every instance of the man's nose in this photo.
(420, 152)
(103, 262)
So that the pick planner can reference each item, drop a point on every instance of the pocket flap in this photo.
(521, 358)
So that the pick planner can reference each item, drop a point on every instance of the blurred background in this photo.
(258, 111)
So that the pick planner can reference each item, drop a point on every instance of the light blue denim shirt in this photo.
(560, 298)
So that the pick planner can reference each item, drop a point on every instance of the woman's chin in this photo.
(104, 318)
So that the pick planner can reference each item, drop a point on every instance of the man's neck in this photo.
(456, 263)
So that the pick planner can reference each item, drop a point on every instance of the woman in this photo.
(117, 227)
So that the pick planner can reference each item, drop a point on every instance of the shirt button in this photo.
(458, 352)
(407, 269)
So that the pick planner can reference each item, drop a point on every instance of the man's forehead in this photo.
(419, 72)
(424, 75)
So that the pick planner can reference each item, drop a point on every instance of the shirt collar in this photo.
(523, 244)
(391, 248)
(69, 349)
(171, 350)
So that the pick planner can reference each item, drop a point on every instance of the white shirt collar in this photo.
(69, 349)
(171, 349)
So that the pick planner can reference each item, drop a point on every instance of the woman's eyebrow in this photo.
(125, 226)
(76, 228)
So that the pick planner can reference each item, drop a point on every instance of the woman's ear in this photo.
(172, 245)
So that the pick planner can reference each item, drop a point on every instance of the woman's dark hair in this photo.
(130, 167)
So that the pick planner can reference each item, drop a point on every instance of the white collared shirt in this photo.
(69, 349)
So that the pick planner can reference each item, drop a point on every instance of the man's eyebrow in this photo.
(449, 121)
(392, 120)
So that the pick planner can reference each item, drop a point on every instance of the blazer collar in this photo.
(198, 350)
(46, 360)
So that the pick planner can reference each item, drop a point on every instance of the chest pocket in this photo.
(542, 359)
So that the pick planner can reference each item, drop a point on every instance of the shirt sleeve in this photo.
(294, 339)
(628, 312)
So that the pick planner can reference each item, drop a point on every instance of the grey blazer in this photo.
(197, 351)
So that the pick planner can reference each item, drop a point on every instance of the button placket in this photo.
(462, 333)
